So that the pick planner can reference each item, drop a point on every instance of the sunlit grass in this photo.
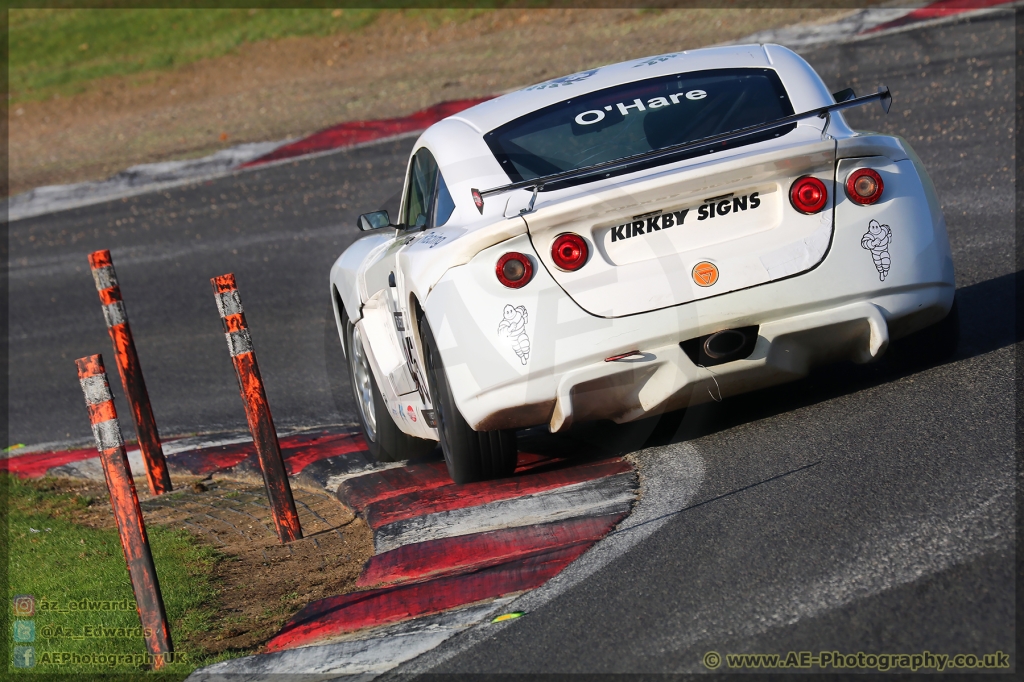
(65, 566)
(60, 50)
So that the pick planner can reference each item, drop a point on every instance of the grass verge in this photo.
(387, 63)
(58, 51)
(83, 603)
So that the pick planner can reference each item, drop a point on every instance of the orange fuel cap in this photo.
(705, 274)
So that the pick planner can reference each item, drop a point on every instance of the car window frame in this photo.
(431, 195)
(438, 182)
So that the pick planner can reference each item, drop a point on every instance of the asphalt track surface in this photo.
(862, 509)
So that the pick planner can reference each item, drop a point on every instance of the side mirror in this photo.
(373, 221)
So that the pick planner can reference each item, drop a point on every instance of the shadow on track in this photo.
(986, 325)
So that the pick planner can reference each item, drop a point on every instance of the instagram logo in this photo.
(24, 605)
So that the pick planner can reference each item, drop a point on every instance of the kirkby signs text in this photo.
(662, 220)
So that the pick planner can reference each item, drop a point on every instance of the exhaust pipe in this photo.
(727, 345)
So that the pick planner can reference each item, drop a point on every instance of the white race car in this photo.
(630, 240)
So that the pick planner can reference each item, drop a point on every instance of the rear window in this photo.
(640, 117)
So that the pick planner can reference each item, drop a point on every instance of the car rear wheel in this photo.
(470, 455)
(385, 441)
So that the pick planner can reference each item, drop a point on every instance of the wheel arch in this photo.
(341, 316)
(416, 316)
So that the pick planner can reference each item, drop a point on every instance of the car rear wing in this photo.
(846, 100)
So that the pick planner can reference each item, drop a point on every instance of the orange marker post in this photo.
(130, 370)
(125, 502)
(257, 410)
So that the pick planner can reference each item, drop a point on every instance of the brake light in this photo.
(514, 270)
(569, 251)
(864, 186)
(808, 194)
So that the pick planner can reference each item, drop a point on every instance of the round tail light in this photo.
(808, 194)
(569, 251)
(864, 186)
(514, 270)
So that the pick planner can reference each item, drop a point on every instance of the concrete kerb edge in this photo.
(174, 444)
(669, 479)
(938, 21)
(817, 34)
(14, 216)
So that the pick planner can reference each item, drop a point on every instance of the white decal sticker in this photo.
(588, 117)
(876, 240)
(411, 413)
(514, 327)
(564, 80)
(593, 116)
(657, 60)
(432, 239)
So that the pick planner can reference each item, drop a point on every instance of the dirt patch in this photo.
(261, 582)
(278, 89)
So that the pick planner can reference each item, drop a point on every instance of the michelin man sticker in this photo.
(514, 327)
(876, 240)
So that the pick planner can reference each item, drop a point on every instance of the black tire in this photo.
(931, 345)
(385, 441)
(470, 455)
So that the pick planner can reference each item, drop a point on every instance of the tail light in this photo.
(808, 194)
(514, 270)
(864, 186)
(569, 251)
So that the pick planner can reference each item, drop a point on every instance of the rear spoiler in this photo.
(845, 100)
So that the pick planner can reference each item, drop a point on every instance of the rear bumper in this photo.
(665, 378)
(567, 380)
(554, 371)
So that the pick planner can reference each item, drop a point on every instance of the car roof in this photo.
(466, 162)
(493, 113)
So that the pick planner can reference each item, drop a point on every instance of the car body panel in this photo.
(761, 243)
(836, 285)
